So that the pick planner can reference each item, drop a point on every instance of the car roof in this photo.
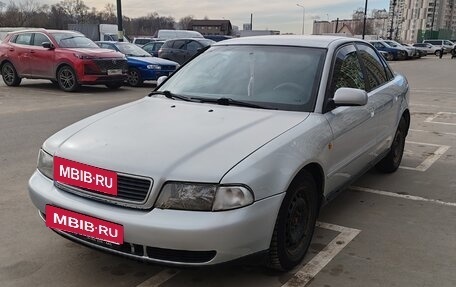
(318, 41)
(45, 30)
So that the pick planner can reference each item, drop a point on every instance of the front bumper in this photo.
(101, 79)
(165, 236)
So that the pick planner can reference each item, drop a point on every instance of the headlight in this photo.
(203, 197)
(154, 67)
(46, 164)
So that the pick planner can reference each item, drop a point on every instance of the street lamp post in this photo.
(303, 17)
(119, 21)
(365, 19)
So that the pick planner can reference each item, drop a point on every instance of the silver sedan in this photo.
(231, 156)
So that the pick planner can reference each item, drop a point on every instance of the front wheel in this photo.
(390, 163)
(295, 224)
(134, 78)
(66, 78)
(10, 76)
(389, 56)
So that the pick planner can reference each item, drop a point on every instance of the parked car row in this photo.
(69, 59)
(393, 50)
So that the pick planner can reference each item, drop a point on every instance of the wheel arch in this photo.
(406, 117)
(316, 171)
(62, 64)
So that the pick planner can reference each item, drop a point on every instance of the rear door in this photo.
(42, 60)
(192, 49)
(19, 52)
(179, 51)
(354, 131)
(383, 96)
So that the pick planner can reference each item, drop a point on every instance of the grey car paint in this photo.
(271, 148)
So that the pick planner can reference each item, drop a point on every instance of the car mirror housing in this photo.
(47, 45)
(350, 97)
(161, 80)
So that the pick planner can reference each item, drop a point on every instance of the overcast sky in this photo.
(282, 15)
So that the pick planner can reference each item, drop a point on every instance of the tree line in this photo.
(32, 14)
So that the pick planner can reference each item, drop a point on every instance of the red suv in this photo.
(67, 58)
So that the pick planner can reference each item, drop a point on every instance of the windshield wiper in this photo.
(173, 96)
(232, 102)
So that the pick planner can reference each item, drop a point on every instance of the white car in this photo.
(429, 48)
(231, 156)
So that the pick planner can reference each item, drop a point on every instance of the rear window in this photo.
(142, 41)
(23, 39)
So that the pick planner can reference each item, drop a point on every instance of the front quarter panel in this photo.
(270, 169)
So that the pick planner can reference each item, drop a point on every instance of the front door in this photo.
(354, 129)
(41, 59)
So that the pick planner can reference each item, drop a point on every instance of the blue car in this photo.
(392, 53)
(141, 65)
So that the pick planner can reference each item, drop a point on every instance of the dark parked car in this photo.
(153, 47)
(392, 53)
(181, 50)
(67, 58)
(217, 38)
(141, 65)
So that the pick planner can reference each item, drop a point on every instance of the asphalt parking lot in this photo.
(386, 230)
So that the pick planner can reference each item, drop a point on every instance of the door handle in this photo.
(11, 49)
(32, 51)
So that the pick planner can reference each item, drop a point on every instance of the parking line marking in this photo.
(159, 278)
(316, 264)
(434, 116)
(404, 196)
(430, 160)
(424, 131)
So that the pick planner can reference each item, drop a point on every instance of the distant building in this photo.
(211, 27)
(415, 20)
(377, 26)
(248, 33)
(247, 27)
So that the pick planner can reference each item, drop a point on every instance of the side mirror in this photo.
(350, 97)
(48, 45)
(161, 80)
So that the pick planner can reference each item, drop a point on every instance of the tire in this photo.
(134, 78)
(390, 163)
(295, 224)
(10, 76)
(67, 80)
(114, 86)
(437, 53)
(55, 83)
(389, 57)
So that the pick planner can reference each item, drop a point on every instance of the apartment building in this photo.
(414, 19)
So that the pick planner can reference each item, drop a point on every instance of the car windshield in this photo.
(392, 44)
(275, 77)
(130, 49)
(73, 40)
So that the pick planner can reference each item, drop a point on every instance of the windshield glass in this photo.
(73, 40)
(392, 44)
(278, 77)
(130, 49)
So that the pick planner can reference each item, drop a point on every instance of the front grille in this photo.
(169, 67)
(132, 191)
(111, 64)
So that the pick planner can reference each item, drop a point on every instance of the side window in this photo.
(39, 39)
(347, 71)
(179, 44)
(193, 46)
(23, 39)
(109, 46)
(376, 73)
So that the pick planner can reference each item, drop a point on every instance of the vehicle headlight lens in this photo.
(203, 197)
(231, 197)
(46, 164)
(154, 67)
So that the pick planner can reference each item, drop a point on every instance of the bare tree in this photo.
(184, 22)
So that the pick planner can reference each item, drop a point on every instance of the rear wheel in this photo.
(66, 78)
(295, 224)
(10, 76)
(389, 57)
(390, 163)
(134, 78)
(437, 53)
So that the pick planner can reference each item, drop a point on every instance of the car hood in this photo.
(151, 60)
(171, 140)
(97, 52)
